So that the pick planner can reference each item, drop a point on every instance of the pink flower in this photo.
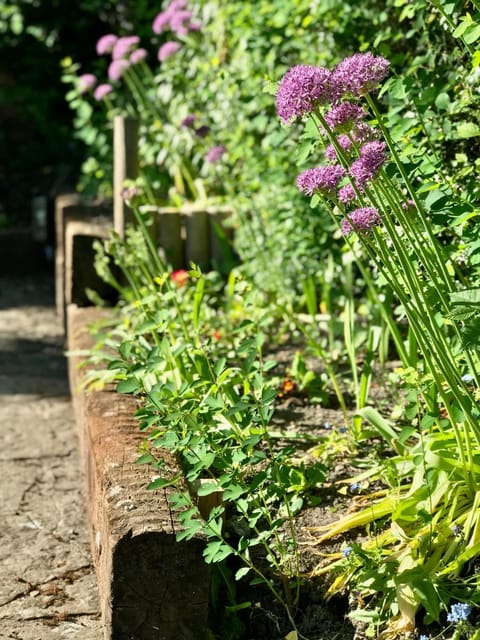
(323, 179)
(117, 68)
(138, 55)
(173, 17)
(362, 220)
(168, 49)
(302, 89)
(347, 194)
(344, 142)
(105, 44)
(178, 20)
(102, 90)
(189, 120)
(86, 82)
(359, 74)
(344, 115)
(215, 154)
(123, 46)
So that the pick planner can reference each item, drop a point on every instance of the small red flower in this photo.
(216, 335)
(287, 387)
(180, 277)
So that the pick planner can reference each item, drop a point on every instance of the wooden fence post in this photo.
(125, 167)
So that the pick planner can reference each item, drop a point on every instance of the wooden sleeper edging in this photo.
(151, 587)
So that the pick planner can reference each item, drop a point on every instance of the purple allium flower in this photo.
(105, 44)
(123, 46)
(189, 120)
(86, 82)
(301, 90)
(344, 141)
(194, 26)
(215, 154)
(138, 55)
(459, 612)
(323, 179)
(362, 132)
(359, 74)
(347, 194)
(117, 68)
(128, 193)
(363, 219)
(161, 21)
(102, 90)
(178, 20)
(372, 158)
(344, 115)
(168, 49)
(202, 131)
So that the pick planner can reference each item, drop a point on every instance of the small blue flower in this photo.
(456, 530)
(467, 377)
(355, 486)
(347, 551)
(327, 425)
(459, 612)
(342, 429)
(423, 637)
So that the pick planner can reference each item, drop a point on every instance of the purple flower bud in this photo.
(86, 82)
(123, 46)
(105, 44)
(359, 74)
(102, 90)
(215, 154)
(168, 49)
(117, 68)
(189, 120)
(161, 21)
(302, 89)
(137, 56)
(202, 131)
(361, 220)
(321, 179)
(372, 158)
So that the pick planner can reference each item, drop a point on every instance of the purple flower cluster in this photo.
(176, 18)
(372, 158)
(320, 179)
(86, 82)
(359, 74)
(101, 91)
(344, 142)
(168, 49)
(302, 89)
(215, 154)
(305, 87)
(361, 220)
(344, 115)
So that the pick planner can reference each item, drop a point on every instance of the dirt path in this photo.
(47, 582)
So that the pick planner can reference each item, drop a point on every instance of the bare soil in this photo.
(47, 582)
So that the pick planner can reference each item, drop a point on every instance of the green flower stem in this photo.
(427, 228)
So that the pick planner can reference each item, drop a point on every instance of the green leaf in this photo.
(468, 130)
(161, 483)
(241, 573)
(130, 385)
(216, 551)
(207, 488)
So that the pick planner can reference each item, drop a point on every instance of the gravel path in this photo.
(47, 583)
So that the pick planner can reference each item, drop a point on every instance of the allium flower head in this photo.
(102, 90)
(105, 44)
(123, 46)
(459, 612)
(344, 115)
(346, 194)
(361, 220)
(179, 22)
(189, 120)
(202, 131)
(359, 74)
(362, 132)
(215, 154)
(344, 142)
(168, 49)
(138, 55)
(301, 90)
(86, 82)
(117, 68)
(321, 179)
(372, 158)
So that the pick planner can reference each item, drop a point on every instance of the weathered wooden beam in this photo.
(125, 167)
